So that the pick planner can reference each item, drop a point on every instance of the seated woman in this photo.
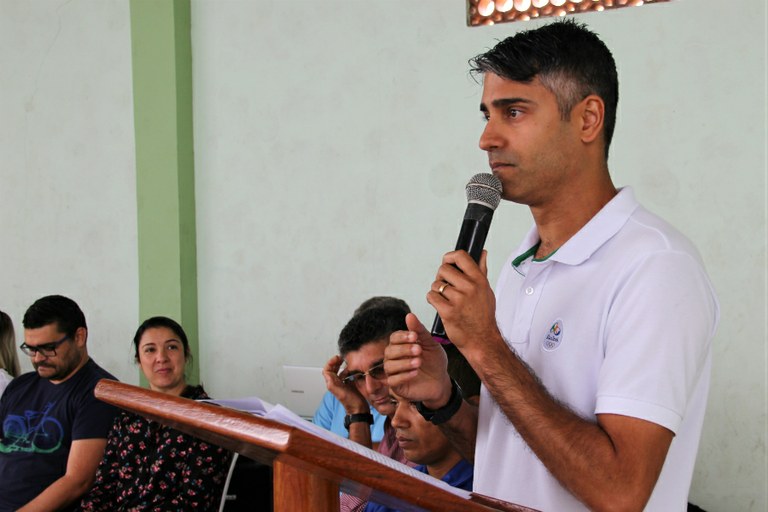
(9, 361)
(148, 466)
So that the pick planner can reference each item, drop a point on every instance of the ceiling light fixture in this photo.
(489, 12)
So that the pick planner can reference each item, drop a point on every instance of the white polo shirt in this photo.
(619, 320)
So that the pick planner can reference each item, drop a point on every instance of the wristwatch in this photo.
(445, 413)
(363, 417)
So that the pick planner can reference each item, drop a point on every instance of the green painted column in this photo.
(162, 96)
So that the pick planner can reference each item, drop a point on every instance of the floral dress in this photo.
(151, 467)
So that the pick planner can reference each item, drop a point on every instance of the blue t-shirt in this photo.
(459, 476)
(330, 415)
(39, 422)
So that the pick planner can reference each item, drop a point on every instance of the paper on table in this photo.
(251, 404)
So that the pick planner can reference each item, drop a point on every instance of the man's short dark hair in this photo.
(62, 311)
(570, 61)
(382, 301)
(371, 325)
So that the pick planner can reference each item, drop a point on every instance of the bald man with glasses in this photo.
(53, 428)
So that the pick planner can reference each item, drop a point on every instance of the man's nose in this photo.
(490, 138)
(371, 384)
(398, 419)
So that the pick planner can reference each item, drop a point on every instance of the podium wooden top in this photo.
(266, 441)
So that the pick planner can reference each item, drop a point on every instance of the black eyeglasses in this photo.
(48, 349)
(376, 371)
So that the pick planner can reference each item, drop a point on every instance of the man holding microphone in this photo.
(595, 350)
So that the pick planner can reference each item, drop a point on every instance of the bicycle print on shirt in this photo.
(34, 432)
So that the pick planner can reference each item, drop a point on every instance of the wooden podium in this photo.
(308, 471)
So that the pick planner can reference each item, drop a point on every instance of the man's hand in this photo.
(416, 365)
(417, 369)
(467, 304)
(349, 396)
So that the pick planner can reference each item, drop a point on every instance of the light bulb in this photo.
(522, 5)
(485, 7)
(504, 5)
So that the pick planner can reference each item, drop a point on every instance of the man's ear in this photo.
(81, 336)
(592, 116)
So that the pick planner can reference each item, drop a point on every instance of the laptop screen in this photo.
(304, 389)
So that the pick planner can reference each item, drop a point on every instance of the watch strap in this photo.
(445, 413)
(363, 417)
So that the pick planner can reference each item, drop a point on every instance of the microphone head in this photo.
(484, 188)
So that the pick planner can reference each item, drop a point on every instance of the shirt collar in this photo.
(600, 228)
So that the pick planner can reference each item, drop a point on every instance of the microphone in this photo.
(483, 196)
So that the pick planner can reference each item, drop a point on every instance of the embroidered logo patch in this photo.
(554, 337)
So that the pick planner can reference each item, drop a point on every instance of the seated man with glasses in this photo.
(53, 428)
(362, 381)
(330, 414)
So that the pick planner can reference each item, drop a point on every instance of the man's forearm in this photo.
(82, 463)
(461, 431)
(61, 493)
(360, 432)
(580, 454)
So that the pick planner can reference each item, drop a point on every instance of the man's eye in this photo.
(377, 372)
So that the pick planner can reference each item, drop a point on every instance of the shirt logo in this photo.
(554, 337)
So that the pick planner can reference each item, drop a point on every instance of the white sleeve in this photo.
(658, 339)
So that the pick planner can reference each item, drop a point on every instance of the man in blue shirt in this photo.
(425, 444)
(332, 414)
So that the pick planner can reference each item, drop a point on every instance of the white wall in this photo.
(333, 140)
(67, 178)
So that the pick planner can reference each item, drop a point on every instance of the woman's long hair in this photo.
(9, 360)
